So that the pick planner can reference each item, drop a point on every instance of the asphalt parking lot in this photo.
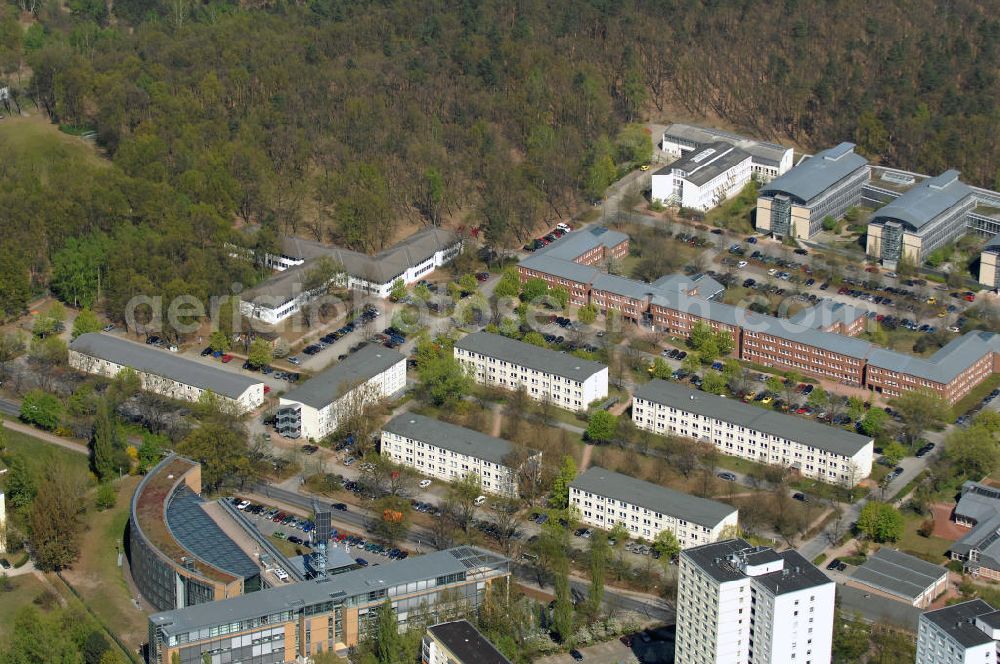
(658, 650)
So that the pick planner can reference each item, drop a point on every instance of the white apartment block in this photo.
(815, 450)
(162, 372)
(546, 375)
(315, 409)
(449, 452)
(703, 178)
(966, 633)
(604, 498)
(739, 604)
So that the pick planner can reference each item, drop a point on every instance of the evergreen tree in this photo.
(562, 612)
(106, 445)
(599, 554)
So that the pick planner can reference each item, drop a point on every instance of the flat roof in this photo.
(450, 437)
(926, 201)
(469, 560)
(958, 621)
(467, 643)
(707, 162)
(762, 151)
(162, 363)
(607, 483)
(816, 174)
(796, 572)
(899, 573)
(358, 367)
(807, 432)
(529, 355)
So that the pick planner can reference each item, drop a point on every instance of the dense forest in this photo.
(348, 120)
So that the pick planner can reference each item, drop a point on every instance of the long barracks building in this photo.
(818, 341)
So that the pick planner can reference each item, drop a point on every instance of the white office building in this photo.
(769, 160)
(410, 260)
(704, 178)
(604, 498)
(449, 452)
(546, 375)
(163, 372)
(740, 604)
(315, 408)
(966, 633)
(815, 450)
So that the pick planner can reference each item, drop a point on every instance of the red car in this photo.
(267, 389)
(227, 358)
(969, 297)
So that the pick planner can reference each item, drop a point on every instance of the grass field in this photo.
(40, 455)
(96, 575)
(929, 548)
(39, 144)
(25, 589)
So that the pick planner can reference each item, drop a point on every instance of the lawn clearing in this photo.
(23, 593)
(96, 575)
(40, 455)
(929, 548)
(39, 144)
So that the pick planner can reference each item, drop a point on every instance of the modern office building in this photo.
(449, 452)
(458, 642)
(409, 260)
(179, 556)
(293, 622)
(824, 185)
(979, 510)
(925, 217)
(704, 178)
(740, 604)
(768, 160)
(902, 577)
(815, 450)
(604, 498)
(965, 633)
(989, 263)
(315, 408)
(163, 372)
(561, 379)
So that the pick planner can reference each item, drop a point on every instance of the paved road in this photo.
(418, 538)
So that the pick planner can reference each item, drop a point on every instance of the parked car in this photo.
(424, 484)
(727, 476)
(227, 358)
(576, 654)
(801, 497)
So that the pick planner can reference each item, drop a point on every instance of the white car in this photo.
(243, 505)
(741, 264)
(479, 501)
(281, 574)
(424, 484)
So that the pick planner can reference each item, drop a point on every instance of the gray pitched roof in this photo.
(466, 643)
(926, 201)
(807, 432)
(162, 363)
(898, 573)
(827, 312)
(958, 621)
(333, 383)
(576, 243)
(637, 290)
(607, 483)
(707, 162)
(762, 152)
(817, 174)
(450, 437)
(293, 597)
(563, 269)
(943, 366)
(531, 356)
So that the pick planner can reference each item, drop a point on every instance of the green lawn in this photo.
(40, 455)
(96, 575)
(930, 548)
(25, 589)
(42, 144)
